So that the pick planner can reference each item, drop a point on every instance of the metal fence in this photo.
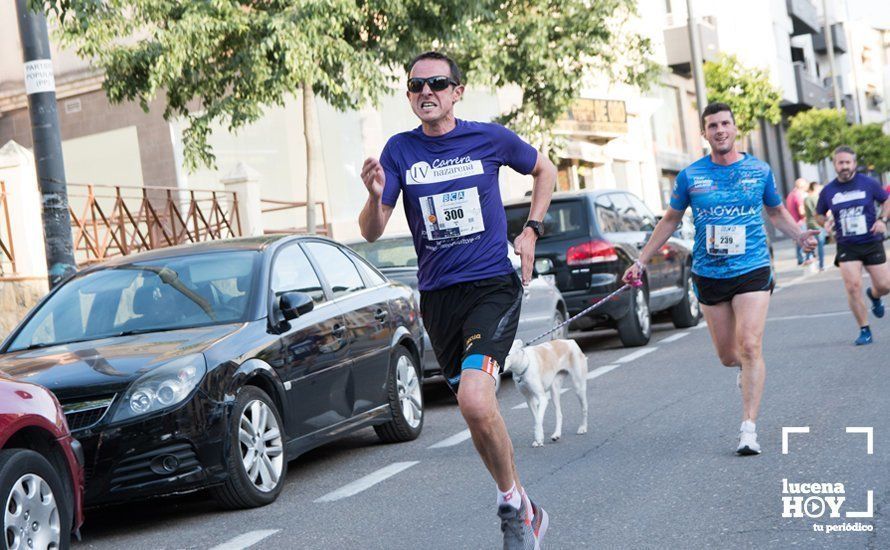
(7, 252)
(111, 220)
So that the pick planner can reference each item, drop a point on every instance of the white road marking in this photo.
(810, 316)
(673, 338)
(455, 439)
(246, 540)
(596, 373)
(636, 355)
(367, 482)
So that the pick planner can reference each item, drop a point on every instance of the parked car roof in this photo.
(567, 195)
(220, 245)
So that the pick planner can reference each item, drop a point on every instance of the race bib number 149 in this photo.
(453, 214)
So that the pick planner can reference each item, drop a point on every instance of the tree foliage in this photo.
(224, 61)
(814, 134)
(871, 144)
(747, 91)
(547, 47)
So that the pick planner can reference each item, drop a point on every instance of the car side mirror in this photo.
(294, 304)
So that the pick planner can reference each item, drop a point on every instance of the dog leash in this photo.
(588, 310)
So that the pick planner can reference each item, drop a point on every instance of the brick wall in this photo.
(98, 115)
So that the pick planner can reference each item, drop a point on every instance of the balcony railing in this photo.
(112, 220)
(804, 17)
(7, 252)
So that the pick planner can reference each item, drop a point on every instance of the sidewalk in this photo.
(785, 260)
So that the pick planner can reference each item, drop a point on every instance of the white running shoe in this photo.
(748, 439)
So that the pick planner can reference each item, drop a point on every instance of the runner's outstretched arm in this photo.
(375, 215)
(782, 220)
(544, 174)
(662, 232)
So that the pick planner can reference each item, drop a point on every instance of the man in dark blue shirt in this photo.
(446, 171)
(860, 231)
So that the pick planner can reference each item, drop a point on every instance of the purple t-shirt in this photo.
(452, 198)
(853, 206)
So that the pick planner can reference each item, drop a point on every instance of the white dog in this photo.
(542, 368)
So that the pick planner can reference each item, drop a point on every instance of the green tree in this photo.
(814, 134)
(552, 49)
(871, 144)
(225, 61)
(747, 91)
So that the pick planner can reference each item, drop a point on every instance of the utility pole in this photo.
(40, 85)
(829, 43)
(701, 95)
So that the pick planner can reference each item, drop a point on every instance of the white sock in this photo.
(748, 426)
(511, 497)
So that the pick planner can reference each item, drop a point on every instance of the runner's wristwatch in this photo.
(885, 219)
(536, 226)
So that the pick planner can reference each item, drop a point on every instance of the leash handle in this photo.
(635, 284)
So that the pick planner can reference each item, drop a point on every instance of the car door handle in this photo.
(339, 330)
(380, 315)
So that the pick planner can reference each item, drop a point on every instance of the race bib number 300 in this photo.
(454, 214)
(726, 240)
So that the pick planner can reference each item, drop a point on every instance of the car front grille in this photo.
(85, 414)
(170, 460)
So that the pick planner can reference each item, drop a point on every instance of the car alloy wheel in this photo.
(642, 310)
(262, 451)
(31, 515)
(694, 307)
(409, 391)
(562, 332)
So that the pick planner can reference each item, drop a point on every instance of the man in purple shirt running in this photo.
(447, 173)
(860, 232)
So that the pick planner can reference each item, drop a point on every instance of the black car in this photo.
(590, 238)
(214, 364)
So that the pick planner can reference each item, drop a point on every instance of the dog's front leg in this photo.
(538, 412)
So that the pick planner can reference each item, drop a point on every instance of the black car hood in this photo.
(108, 365)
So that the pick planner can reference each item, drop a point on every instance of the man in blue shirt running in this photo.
(860, 231)
(727, 191)
(446, 171)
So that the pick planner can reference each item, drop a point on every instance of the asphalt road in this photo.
(656, 470)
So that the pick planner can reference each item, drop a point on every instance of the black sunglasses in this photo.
(436, 83)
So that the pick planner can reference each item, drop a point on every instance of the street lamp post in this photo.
(40, 85)
(701, 96)
(829, 43)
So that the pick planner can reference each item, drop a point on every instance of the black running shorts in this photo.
(711, 292)
(474, 322)
(867, 253)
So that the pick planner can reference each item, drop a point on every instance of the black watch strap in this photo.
(536, 226)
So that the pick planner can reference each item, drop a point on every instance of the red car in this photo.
(41, 470)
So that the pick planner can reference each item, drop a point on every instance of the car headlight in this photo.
(162, 387)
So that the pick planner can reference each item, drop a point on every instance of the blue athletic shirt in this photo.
(727, 202)
(853, 206)
(452, 198)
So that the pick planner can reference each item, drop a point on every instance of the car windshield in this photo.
(564, 218)
(158, 295)
(384, 253)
